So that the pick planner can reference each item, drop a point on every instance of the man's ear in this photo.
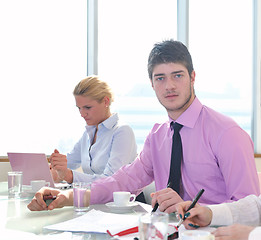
(193, 76)
(152, 85)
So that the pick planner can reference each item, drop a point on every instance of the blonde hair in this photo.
(94, 88)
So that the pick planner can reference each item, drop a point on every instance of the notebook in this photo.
(34, 167)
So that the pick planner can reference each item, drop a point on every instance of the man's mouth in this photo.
(172, 95)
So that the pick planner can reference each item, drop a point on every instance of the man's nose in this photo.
(170, 83)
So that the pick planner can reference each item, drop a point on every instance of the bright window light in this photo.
(43, 56)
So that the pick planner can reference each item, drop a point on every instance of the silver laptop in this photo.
(34, 167)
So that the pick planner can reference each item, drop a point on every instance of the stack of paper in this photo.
(96, 221)
(14, 235)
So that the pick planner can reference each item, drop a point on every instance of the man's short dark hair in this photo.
(169, 51)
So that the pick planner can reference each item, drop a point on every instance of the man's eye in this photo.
(178, 75)
(159, 78)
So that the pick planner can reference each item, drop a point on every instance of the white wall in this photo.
(258, 164)
(4, 168)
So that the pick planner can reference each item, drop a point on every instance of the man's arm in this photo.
(235, 156)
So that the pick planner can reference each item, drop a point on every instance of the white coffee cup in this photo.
(123, 198)
(197, 235)
(38, 184)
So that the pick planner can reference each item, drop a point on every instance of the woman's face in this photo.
(92, 111)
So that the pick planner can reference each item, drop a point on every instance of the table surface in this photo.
(15, 216)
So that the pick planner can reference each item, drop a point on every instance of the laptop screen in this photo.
(33, 165)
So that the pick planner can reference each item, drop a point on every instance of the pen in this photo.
(155, 207)
(195, 200)
(156, 204)
(173, 236)
(48, 199)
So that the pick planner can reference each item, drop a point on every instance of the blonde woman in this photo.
(106, 145)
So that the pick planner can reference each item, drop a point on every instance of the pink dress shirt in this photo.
(217, 156)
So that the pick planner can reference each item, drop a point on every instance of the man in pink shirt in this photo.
(217, 154)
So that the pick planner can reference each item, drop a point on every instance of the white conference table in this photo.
(15, 216)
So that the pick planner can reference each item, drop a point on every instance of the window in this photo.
(221, 49)
(43, 56)
(221, 44)
(127, 32)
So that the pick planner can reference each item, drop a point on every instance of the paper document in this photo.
(7, 234)
(96, 221)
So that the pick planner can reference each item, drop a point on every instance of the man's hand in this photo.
(166, 198)
(63, 198)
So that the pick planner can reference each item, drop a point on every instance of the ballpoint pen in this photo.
(155, 207)
(195, 200)
(48, 199)
(156, 204)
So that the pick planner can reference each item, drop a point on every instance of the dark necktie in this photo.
(176, 157)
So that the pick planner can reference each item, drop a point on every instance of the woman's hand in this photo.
(198, 216)
(166, 198)
(59, 168)
(63, 198)
(236, 231)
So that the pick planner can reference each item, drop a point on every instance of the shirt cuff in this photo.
(81, 177)
(221, 215)
(255, 234)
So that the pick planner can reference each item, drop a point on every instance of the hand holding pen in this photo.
(156, 204)
(195, 200)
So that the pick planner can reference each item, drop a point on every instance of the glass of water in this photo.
(15, 182)
(153, 226)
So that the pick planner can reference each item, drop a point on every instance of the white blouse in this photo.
(115, 146)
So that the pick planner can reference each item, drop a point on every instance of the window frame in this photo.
(92, 37)
(256, 111)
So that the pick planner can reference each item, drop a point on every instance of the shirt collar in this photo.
(109, 123)
(189, 117)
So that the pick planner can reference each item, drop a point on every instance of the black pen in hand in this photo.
(195, 200)
(48, 199)
(156, 204)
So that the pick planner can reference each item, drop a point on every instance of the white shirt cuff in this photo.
(221, 215)
(255, 234)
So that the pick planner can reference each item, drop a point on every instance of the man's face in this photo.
(173, 87)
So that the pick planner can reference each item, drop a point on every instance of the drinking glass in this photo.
(15, 182)
(153, 226)
(80, 196)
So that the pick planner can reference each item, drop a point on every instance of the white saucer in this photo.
(121, 209)
(28, 189)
